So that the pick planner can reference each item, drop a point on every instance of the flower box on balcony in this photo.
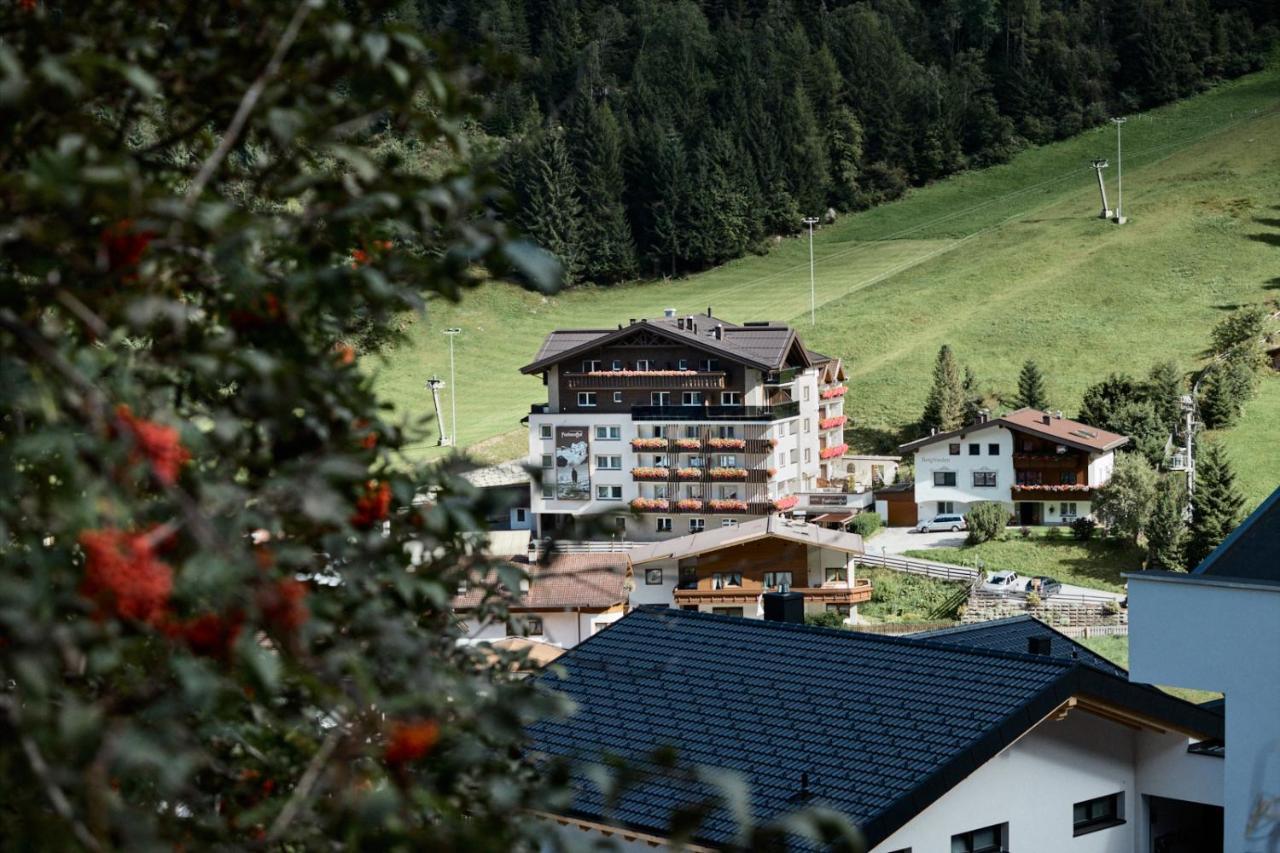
(832, 423)
(688, 473)
(641, 373)
(650, 505)
(838, 391)
(772, 472)
(728, 473)
(688, 445)
(727, 506)
(784, 504)
(689, 505)
(648, 473)
(648, 444)
(1051, 487)
(727, 443)
(833, 451)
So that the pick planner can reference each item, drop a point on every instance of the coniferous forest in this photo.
(656, 137)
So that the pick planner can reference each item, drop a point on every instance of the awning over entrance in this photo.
(833, 518)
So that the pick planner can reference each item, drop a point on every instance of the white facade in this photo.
(1216, 634)
(564, 629)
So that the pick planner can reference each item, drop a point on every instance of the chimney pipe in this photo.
(719, 332)
(1047, 418)
(1041, 644)
(708, 310)
(1058, 414)
(784, 607)
(680, 323)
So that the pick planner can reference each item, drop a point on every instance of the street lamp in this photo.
(453, 380)
(813, 302)
(1119, 220)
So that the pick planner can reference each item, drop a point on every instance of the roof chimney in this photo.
(933, 430)
(668, 313)
(784, 607)
(688, 324)
(984, 415)
(680, 323)
(1058, 414)
(632, 321)
(708, 310)
(719, 332)
(1047, 418)
(1041, 644)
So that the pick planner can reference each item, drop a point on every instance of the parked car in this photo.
(954, 523)
(1044, 587)
(1002, 582)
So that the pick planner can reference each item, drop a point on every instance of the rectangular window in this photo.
(660, 398)
(993, 449)
(533, 626)
(1029, 478)
(660, 461)
(1067, 478)
(1100, 813)
(794, 457)
(727, 611)
(728, 522)
(521, 515)
(591, 366)
(731, 398)
(839, 574)
(586, 399)
(682, 364)
(984, 479)
(1069, 510)
(664, 525)
(806, 425)
(775, 580)
(691, 398)
(548, 488)
(727, 493)
(548, 460)
(975, 449)
(620, 524)
(728, 460)
(617, 396)
(608, 433)
(953, 449)
(806, 392)
(660, 492)
(642, 364)
(609, 463)
(697, 462)
(944, 478)
(728, 432)
(709, 364)
(609, 493)
(946, 507)
(697, 525)
(617, 364)
(989, 839)
(691, 432)
(544, 430)
(808, 455)
(724, 580)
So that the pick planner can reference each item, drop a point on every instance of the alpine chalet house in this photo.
(692, 421)
(1044, 465)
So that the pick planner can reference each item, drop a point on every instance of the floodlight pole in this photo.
(813, 300)
(1119, 218)
(1098, 166)
(453, 380)
(435, 383)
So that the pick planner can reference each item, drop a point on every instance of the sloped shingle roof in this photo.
(1062, 430)
(717, 538)
(1013, 633)
(565, 581)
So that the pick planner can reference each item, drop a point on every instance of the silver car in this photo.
(954, 523)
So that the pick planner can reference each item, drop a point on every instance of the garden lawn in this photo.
(1253, 445)
(901, 597)
(1116, 650)
(1097, 563)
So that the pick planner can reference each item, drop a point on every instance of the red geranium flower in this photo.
(122, 575)
(159, 444)
(411, 741)
(374, 505)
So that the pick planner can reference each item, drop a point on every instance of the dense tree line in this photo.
(668, 135)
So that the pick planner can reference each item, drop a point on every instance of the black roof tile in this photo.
(1252, 551)
(1013, 633)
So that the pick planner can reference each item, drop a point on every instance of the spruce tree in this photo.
(1216, 505)
(1165, 388)
(1167, 530)
(608, 252)
(551, 213)
(1031, 393)
(944, 408)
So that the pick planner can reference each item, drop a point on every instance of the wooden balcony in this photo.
(656, 380)
(1051, 493)
(856, 592)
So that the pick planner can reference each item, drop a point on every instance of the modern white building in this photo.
(689, 421)
(1218, 628)
(1043, 466)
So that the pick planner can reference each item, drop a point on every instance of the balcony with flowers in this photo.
(650, 444)
(727, 474)
(784, 503)
(835, 451)
(727, 505)
(689, 505)
(726, 444)
(650, 504)
(650, 473)
(688, 473)
(674, 380)
(687, 445)
(832, 423)
(1051, 491)
(832, 393)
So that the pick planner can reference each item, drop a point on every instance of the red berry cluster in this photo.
(157, 443)
(374, 505)
(211, 635)
(410, 741)
(124, 246)
(123, 576)
(284, 605)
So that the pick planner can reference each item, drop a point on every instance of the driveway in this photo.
(896, 540)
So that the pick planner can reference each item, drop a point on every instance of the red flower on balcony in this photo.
(688, 473)
(641, 373)
(727, 505)
(838, 391)
(727, 443)
(834, 451)
(832, 423)
(688, 444)
(784, 504)
(650, 505)
(648, 444)
(689, 505)
(650, 473)
(1051, 487)
(728, 473)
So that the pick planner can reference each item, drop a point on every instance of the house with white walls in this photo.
(929, 744)
(1045, 467)
(1218, 628)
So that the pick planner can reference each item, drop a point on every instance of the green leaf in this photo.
(263, 665)
(146, 85)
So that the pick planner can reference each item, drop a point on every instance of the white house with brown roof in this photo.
(1044, 466)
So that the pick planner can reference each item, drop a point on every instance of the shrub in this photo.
(1082, 528)
(827, 619)
(1033, 599)
(865, 524)
(1024, 532)
(1111, 607)
(1053, 533)
(986, 521)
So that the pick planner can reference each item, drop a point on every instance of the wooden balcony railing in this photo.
(658, 380)
(855, 592)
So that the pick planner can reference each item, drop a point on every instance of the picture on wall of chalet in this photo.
(573, 476)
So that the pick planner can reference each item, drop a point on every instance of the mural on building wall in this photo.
(573, 474)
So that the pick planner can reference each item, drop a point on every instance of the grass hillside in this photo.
(1004, 264)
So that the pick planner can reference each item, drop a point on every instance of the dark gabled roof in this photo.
(1252, 551)
(765, 346)
(882, 726)
(1061, 430)
(1013, 633)
(564, 581)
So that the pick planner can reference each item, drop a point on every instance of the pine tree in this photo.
(1216, 504)
(1167, 530)
(608, 252)
(944, 408)
(551, 212)
(1165, 388)
(1031, 393)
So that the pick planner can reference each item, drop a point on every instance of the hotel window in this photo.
(660, 492)
(1069, 510)
(728, 522)
(731, 398)
(691, 432)
(548, 460)
(544, 431)
(728, 432)
(586, 398)
(697, 462)
(617, 396)
(727, 611)
(548, 488)
(1100, 813)
(694, 493)
(659, 398)
(808, 455)
(984, 479)
(775, 580)
(728, 460)
(642, 364)
(590, 366)
(1029, 478)
(608, 433)
(806, 392)
(975, 449)
(709, 364)
(682, 364)
(953, 449)
(839, 574)
(609, 463)
(609, 493)
(691, 398)
(664, 525)
(989, 839)
(1067, 478)
(944, 478)
(806, 424)
(794, 457)
(697, 525)
(993, 449)
(660, 461)
(533, 626)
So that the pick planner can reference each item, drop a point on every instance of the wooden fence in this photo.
(943, 571)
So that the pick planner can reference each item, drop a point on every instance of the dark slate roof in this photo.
(1032, 421)
(1012, 634)
(764, 345)
(1252, 551)
(882, 726)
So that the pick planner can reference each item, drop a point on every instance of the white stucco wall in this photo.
(936, 457)
(1100, 467)
(1224, 637)
(565, 630)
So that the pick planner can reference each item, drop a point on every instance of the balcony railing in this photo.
(667, 446)
(675, 380)
(782, 377)
(841, 592)
(715, 413)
